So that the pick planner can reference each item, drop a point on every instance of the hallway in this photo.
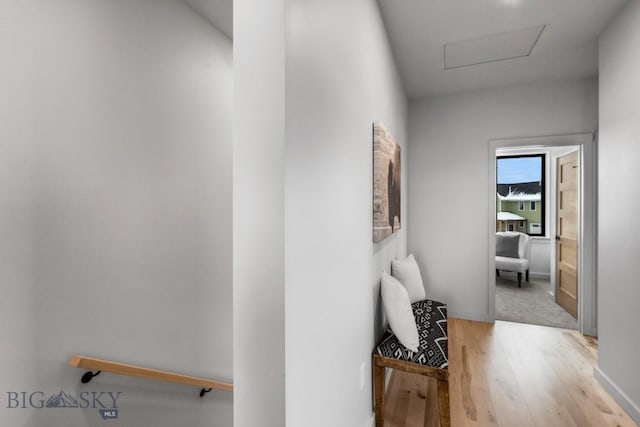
(510, 374)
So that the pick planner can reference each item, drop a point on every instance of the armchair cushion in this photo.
(512, 264)
(524, 247)
(507, 246)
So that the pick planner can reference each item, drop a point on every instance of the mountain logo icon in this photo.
(62, 400)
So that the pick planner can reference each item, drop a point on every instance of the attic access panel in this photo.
(493, 48)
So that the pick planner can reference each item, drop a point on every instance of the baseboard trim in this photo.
(619, 396)
(540, 275)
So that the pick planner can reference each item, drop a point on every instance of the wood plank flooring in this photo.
(510, 375)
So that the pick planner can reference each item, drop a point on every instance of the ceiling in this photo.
(217, 12)
(481, 29)
(480, 32)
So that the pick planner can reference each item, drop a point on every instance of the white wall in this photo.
(448, 171)
(618, 245)
(540, 257)
(340, 78)
(258, 223)
(115, 206)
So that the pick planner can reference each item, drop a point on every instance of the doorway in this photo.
(542, 230)
(527, 200)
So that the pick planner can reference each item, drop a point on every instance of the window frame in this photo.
(543, 187)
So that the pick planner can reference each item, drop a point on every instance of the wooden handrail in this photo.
(151, 374)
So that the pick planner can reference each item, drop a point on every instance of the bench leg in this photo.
(519, 279)
(378, 386)
(443, 403)
(527, 277)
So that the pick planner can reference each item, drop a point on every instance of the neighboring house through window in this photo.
(520, 194)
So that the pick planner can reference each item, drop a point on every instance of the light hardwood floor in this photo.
(510, 375)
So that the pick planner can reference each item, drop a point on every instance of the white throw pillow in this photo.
(398, 310)
(408, 273)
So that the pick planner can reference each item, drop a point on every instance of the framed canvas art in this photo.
(386, 183)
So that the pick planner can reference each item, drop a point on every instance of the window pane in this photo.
(520, 192)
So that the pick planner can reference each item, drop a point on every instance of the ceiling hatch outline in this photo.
(492, 48)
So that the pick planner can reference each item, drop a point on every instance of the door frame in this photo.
(587, 293)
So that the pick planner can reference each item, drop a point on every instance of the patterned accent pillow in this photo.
(431, 320)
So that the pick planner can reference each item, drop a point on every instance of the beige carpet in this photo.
(529, 304)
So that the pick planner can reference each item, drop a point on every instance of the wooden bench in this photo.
(430, 360)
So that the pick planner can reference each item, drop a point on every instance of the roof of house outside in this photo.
(521, 196)
(508, 216)
(520, 187)
(527, 191)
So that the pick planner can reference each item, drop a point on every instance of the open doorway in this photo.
(528, 189)
(528, 204)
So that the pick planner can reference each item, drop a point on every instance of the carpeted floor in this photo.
(529, 304)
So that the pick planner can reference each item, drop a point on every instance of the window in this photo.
(521, 182)
(510, 227)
